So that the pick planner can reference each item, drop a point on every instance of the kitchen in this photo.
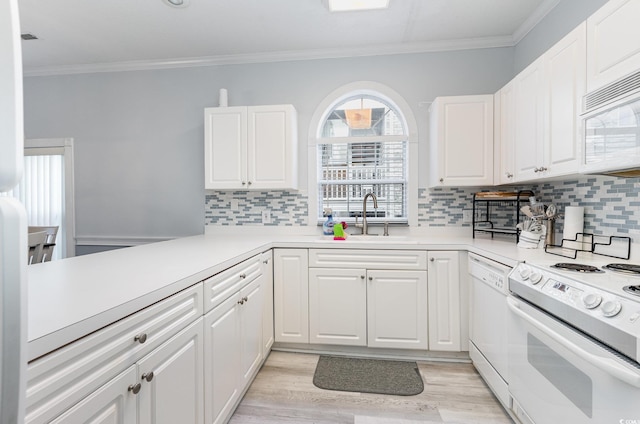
(120, 157)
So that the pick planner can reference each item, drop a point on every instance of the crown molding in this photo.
(534, 19)
(269, 57)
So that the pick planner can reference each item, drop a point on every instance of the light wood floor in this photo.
(283, 392)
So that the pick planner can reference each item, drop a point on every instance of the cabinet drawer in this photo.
(61, 379)
(220, 286)
(368, 259)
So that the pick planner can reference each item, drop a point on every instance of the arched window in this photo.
(362, 146)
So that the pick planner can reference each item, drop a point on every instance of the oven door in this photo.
(557, 375)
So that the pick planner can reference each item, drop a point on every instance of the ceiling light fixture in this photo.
(351, 5)
(177, 3)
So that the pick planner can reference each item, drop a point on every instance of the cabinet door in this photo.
(267, 311)
(528, 103)
(113, 403)
(250, 331)
(225, 148)
(444, 301)
(221, 361)
(564, 88)
(291, 295)
(338, 306)
(397, 309)
(462, 141)
(272, 147)
(172, 380)
(504, 135)
(613, 42)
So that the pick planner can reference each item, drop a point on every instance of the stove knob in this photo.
(535, 277)
(591, 300)
(611, 308)
(524, 271)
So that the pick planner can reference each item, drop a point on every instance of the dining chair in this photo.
(36, 247)
(50, 241)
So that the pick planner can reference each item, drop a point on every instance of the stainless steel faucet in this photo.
(365, 226)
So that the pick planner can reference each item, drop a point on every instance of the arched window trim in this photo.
(396, 102)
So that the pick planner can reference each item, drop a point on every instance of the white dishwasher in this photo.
(488, 327)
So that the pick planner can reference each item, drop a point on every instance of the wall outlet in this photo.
(467, 216)
(266, 217)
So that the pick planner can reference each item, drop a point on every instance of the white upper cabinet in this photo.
(546, 105)
(252, 147)
(504, 135)
(565, 85)
(613, 42)
(528, 103)
(461, 141)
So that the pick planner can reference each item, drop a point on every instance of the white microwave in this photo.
(611, 129)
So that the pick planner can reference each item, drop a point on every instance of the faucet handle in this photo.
(356, 224)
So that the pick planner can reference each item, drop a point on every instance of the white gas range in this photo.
(574, 340)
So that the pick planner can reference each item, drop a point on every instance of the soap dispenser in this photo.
(327, 226)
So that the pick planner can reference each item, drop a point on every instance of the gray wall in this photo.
(139, 135)
(567, 15)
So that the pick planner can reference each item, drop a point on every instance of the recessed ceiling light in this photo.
(177, 3)
(350, 5)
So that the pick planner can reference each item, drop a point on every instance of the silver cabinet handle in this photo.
(135, 388)
(543, 168)
(432, 259)
(266, 261)
(140, 338)
(241, 302)
(441, 180)
(148, 376)
(244, 183)
(243, 275)
(362, 277)
(370, 278)
(509, 174)
(249, 183)
(536, 169)
(246, 299)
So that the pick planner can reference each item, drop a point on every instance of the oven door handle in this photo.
(607, 365)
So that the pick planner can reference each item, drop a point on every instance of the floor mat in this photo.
(400, 378)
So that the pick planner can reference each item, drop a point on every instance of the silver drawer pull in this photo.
(140, 338)
(135, 388)
(241, 302)
(243, 275)
(147, 376)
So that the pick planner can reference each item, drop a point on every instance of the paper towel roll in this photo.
(223, 99)
(573, 224)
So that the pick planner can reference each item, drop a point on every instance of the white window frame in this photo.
(57, 146)
(397, 102)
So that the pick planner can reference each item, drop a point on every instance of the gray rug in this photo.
(368, 376)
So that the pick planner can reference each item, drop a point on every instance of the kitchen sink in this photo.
(372, 238)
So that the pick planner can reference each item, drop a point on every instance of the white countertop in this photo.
(71, 298)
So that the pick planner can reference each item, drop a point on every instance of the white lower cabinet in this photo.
(352, 301)
(165, 387)
(232, 350)
(110, 404)
(267, 313)
(291, 295)
(338, 306)
(397, 309)
(444, 301)
(172, 380)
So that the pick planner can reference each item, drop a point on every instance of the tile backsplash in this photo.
(612, 205)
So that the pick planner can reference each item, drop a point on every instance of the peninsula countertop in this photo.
(70, 298)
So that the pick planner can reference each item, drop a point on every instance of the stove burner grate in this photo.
(632, 289)
(625, 268)
(576, 267)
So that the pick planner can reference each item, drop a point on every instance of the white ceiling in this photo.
(101, 35)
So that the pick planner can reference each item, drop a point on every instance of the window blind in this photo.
(349, 171)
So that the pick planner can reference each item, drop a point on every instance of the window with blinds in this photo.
(363, 149)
